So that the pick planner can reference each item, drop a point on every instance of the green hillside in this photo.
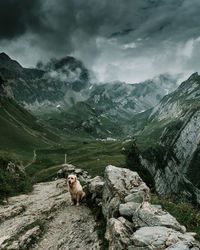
(19, 130)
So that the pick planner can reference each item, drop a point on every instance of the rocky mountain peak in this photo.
(4, 56)
(68, 71)
(194, 76)
(9, 68)
(68, 60)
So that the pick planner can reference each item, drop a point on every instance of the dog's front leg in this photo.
(72, 200)
(77, 199)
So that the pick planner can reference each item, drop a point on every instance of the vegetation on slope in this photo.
(20, 130)
(185, 213)
(12, 182)
(92, 156)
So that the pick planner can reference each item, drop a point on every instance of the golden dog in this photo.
(75, 189)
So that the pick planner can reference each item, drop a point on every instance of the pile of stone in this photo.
(71, 169)
(132, 222)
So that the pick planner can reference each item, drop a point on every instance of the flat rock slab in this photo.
(71, 228)
(161, 238)
(46, 215)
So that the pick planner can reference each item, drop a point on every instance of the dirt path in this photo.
(73, 228)
(33, 160)
(46, 220)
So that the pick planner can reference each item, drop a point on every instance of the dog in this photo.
(75, 189)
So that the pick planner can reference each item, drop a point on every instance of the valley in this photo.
(150, 127)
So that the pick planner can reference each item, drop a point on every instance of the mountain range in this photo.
(164, 117)
(62, 94)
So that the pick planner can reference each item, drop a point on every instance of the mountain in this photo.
(131, 98)
(110, 108)
(170, 141)
(58, 85)
(19, 130)
(11, 69)
(65, 99)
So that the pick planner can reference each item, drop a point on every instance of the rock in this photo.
(7, 212)
(178, 246)
(78, 171)
(28, 209)
(65, 170)
(139, 194)
(29, 237)
(160, 238)
(128, 209)
(118, 233)
(95, 187)
(119, 183)
(14, 245)
(149, 215)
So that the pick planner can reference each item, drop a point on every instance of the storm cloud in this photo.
(128, 40)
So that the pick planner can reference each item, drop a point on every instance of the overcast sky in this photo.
(127, 40)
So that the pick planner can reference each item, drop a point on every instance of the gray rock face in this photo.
(118, 233)
(95, 187)
(119, 183)
(161, 238)
(128, 209)
(149, 215)
(125, 195)
(179, 115)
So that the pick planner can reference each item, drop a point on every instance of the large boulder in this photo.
(121, 184)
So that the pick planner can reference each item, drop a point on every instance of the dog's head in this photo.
(71, 180)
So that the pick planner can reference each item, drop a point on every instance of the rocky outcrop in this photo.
(120, 184)
(132, 222)
(45, 220)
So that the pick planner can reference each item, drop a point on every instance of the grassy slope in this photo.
(19, 129)
(20, 132)
(92, 156)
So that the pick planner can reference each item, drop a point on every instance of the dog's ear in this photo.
(75, 178)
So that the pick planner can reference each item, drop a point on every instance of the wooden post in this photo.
(65, 158)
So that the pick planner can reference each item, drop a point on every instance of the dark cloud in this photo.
(16, 17)
(118, 39)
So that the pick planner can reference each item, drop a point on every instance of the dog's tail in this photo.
(82, 195)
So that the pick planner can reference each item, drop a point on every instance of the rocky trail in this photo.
(46, 220)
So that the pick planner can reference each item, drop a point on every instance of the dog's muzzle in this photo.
(70, 184)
